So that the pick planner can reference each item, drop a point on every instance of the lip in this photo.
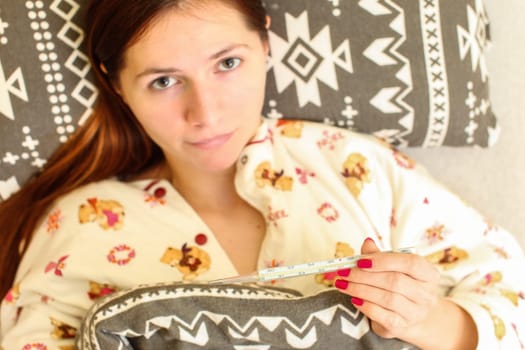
(213, 142)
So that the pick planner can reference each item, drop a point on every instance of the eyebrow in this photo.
(216, 55)
(228, 49)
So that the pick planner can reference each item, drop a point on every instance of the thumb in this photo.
(369, 246)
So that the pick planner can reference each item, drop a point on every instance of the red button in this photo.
(160, 192)
(201, 239)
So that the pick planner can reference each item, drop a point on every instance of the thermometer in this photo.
(309, 268)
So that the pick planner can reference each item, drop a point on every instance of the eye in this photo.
(163, 83)
(229, 64)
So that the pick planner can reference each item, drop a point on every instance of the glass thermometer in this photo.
(309, 268)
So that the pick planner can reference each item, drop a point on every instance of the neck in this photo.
(207, 191)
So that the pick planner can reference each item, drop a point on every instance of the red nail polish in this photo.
(344, 272)
(368, 239)
(364, 263)
(341, 284)
(357, 301)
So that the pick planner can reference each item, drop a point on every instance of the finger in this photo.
(417, 291)
(412, 265)
(385, 323)
(369, 246)
(393, 311)
(389, 318)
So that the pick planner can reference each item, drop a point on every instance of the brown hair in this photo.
(111, 142)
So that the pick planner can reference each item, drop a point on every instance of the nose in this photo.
(202, 106)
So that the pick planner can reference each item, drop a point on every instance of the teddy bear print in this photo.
(341, 250)
(448, 258)
(291, 128)
(356, 173)
(265, 175)
(495, 277)
(191, 261)
(499, 325)
(98, 290)
(403, 160)
(62, 330)
(109, 214)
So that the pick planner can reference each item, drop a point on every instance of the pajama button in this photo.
(201, 239)
(160, 192)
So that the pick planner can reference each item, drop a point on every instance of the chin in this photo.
(218, 165)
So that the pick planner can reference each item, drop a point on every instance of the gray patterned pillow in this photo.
(46, 89)
(410, 71)
(201, 316)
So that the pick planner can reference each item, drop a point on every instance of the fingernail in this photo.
(368, 239)
(356, 301)
(344, 272)
(364, 263)
(341, 284)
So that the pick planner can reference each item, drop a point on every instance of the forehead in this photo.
(200, 29)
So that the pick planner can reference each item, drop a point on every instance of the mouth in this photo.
(212, 142)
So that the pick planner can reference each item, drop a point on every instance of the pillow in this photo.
(410, 72)
(46, 89)
(202, 316)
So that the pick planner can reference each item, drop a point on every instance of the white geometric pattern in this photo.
(336, 11)
(50, 66)
(439, 111)
(58, 80)
(3, 27)
(474, 40)
(15, 85)
(477, 106)
(30, 144)
(227, 317)
(305, 60)
(374, 7)
(405, 66)
(298, 336)
(72, 35)
(377, 52)
(60, 7)
(384, 52)
(8, 187)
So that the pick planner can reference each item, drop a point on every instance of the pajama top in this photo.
(322, 190)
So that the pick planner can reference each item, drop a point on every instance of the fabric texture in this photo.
(411, 72)
(46, 89)
(320, 188)
(200, 316)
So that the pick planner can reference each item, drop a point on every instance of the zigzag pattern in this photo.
(202, 317)
(208, 326)
(269, 323)
(386, 51)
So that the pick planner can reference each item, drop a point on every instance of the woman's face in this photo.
(195, 81)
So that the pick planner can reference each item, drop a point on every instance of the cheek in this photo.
(156, 118)
(259, 82)
(249, 91)
(151, 109)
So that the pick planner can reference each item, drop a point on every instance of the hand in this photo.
(396, 291)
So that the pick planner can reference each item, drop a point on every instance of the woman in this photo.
(176, 176)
